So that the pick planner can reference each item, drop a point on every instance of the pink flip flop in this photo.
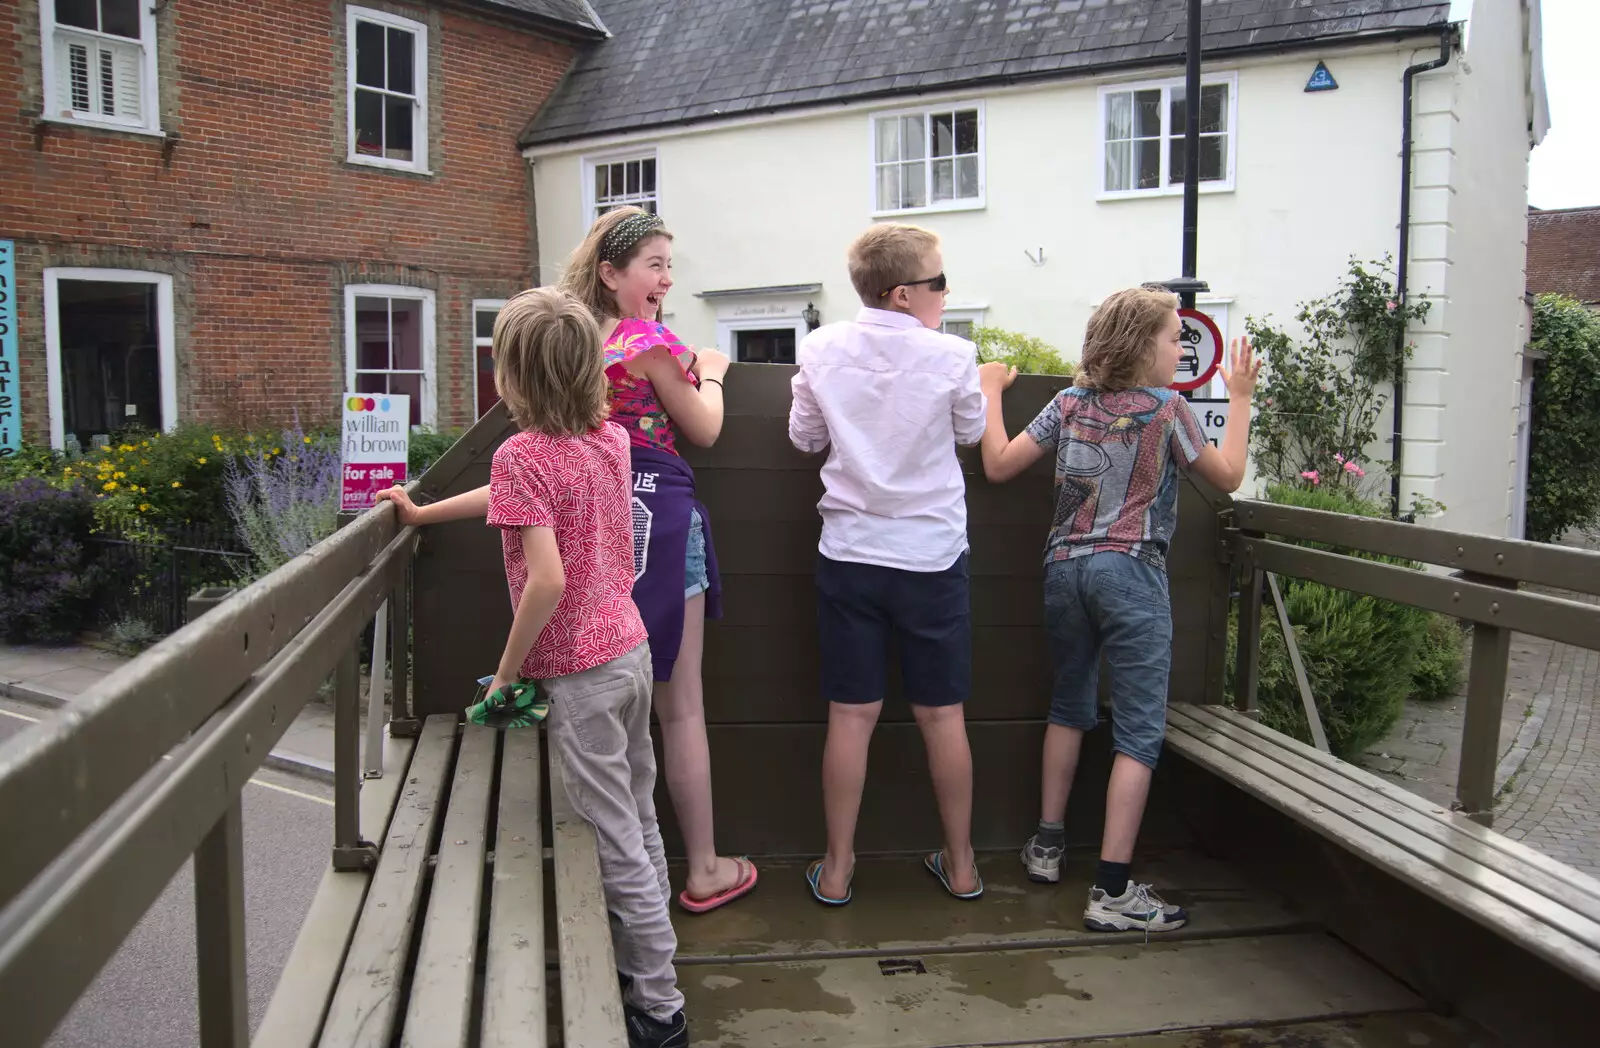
(722, 898)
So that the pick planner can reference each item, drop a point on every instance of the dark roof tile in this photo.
(699, 58)
(1564, 253)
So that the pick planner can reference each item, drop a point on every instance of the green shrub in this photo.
(1028, 354)
(31, 460)
(1563, 479)
(1439, 666)
(426, 447)
(47, 575)
(1363, 656)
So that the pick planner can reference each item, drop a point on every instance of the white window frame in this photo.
(418, 163)
(429, 341)
(977, 203)
(149, 122)
(591, 205)
(1165, 86)
(480, 305)
(963, 315)
(166, 344)
(726, 329)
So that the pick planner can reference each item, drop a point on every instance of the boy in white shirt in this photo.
(890, 396)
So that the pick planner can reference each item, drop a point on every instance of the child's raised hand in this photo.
(995, 377)
(1242, 370)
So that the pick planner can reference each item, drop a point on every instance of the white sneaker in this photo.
(1043, 864)
(1136, 909)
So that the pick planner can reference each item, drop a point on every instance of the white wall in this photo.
(775, 203)
(1469, 251)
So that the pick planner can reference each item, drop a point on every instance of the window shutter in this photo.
(127, 61)
(100, 78)
(72, 86)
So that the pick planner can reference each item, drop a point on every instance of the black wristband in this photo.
(718, 381)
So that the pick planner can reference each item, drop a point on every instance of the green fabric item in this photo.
(513, 706)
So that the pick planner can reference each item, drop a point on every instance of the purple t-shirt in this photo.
(1117, 457)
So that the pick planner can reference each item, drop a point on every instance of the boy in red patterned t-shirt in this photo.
(560, 491)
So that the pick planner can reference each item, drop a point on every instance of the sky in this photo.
(1565, 168)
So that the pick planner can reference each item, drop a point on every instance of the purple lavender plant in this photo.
(48, 578)
(284, 499)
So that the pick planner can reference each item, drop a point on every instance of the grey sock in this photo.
(1052, 834)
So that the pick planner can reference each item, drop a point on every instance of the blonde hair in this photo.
(885, 256)
(582, 277)
(548, 366)
(1119, 347)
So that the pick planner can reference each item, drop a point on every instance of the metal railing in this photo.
(101, 804)
(1484, 590)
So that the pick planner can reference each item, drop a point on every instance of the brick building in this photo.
(226, 211)
(1564, 253)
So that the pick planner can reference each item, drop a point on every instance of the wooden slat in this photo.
(367, 1002)
(300, 1001)
(1513, 858)
(1564, 620)
(591, 1001)
(514, 977)
(1510, 922)
(90, 756)
(1374, 814)
(438, 1012)
(1536, 562)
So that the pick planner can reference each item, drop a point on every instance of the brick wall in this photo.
(253, 207)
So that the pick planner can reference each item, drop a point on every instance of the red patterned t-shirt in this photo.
(581, 488)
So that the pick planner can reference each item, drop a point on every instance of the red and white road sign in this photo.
(1200, 352)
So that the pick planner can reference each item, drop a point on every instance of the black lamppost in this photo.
(1186, 286)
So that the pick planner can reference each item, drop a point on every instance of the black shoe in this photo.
(645, 1032)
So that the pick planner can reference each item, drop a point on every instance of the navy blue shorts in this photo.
(860, 607)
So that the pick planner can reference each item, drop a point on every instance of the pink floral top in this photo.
(634, 406)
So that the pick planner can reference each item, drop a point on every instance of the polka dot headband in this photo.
(625, 234)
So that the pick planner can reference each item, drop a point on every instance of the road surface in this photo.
(145, 996)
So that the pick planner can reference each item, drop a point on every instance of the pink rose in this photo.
(1312, 476)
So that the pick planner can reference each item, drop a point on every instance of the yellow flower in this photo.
(251, 437)
(145, 444)
(176, 484)
(144, 507)
(215, 437)
(306, 439)
(118, 476)
(111, 485)
(201, 460)
(277, 451)
(125, 447)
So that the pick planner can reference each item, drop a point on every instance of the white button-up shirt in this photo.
(890, 399)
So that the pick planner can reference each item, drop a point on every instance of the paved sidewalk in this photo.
(52, 677)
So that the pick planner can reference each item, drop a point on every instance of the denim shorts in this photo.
(862, 607)
(696, 580)
(1116, 605)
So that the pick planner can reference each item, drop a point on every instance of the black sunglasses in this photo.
(938, 283)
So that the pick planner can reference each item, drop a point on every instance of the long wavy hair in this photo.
(1119, 347)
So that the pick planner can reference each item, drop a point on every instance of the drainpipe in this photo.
(1445, 37)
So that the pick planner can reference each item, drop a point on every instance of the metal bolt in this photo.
(1495, 608)
(1499, 558)
(1456, 596)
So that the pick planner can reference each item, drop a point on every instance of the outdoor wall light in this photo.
(812, 318)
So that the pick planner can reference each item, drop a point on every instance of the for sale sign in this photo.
(375, 443)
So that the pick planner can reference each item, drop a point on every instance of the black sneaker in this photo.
(645, 1032)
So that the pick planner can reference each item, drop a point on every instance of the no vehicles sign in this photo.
(1199, 352)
